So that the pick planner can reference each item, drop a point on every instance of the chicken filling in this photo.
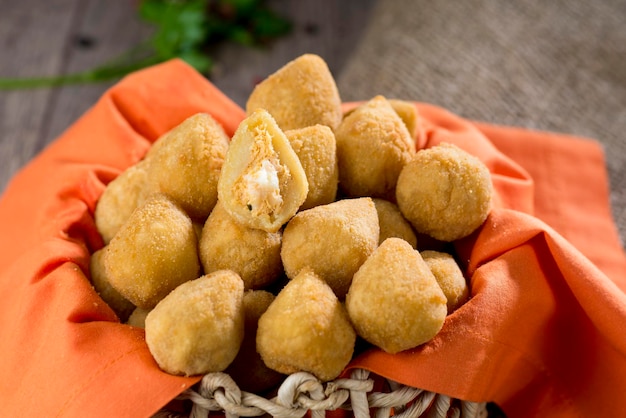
(262, 189)
(259, 187)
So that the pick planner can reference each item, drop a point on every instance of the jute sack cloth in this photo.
(557, 66)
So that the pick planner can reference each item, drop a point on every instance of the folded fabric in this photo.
(542, 334)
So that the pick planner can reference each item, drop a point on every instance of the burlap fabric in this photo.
(557, 66)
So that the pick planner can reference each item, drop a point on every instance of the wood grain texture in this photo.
(40, 37)
(327, 28)
(38, 50)
(103, 30)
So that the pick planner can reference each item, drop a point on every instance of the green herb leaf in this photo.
(180, 25)
(268, 24)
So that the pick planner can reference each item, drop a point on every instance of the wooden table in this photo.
(50, 37)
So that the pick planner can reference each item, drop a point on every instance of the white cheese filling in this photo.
(262, 187)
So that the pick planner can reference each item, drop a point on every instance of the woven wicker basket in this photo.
(301, 393)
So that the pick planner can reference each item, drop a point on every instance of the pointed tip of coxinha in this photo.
(301, 93)
(262, 183)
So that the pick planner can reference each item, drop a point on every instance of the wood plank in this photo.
(104, 31)
(32, 41)
(328, 28)
(41, 39)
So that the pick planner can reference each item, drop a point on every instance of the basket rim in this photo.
(302, 392)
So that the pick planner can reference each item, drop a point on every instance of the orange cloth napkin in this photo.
(541, 336)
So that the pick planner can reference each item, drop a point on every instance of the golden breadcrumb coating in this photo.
(331, 240)
(392, 223)
(120, 198)
(449, 276)
(120, 305)
(306, 328)
(302, 93)
(316, 149)
(155, 251)
(185, 164)
(445, 192)
(395, 302)
(373, 145)
(248, 369)
(203, 232)
(254, 254)
(138, 317)
(409, 115)
(199, 326)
